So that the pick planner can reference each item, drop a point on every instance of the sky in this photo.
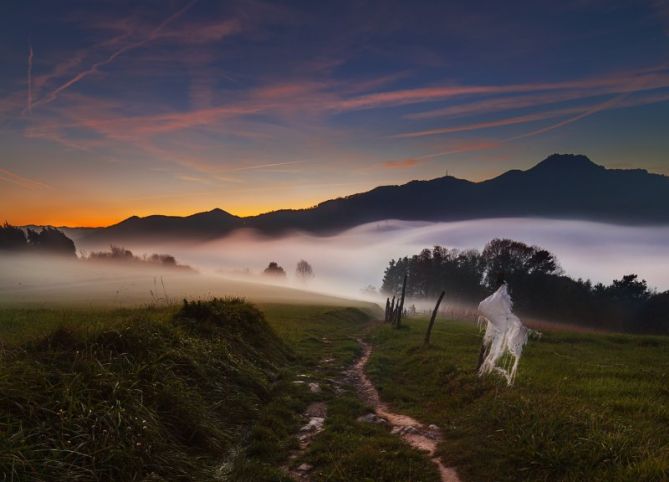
(110, 109)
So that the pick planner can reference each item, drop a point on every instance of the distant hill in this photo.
(561, 186)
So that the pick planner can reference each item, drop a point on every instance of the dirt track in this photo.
(412, 431)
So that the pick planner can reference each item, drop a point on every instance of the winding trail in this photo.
(412, 431)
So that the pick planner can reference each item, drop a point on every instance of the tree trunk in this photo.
(426, 342)
(400, 305)
(387, 318)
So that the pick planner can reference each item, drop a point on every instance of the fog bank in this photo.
(357, 257)
(343, 264)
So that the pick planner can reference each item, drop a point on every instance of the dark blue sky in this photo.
(109, 109)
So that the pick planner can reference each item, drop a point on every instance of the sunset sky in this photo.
(110, 109)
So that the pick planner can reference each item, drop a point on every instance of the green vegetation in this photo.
(347, 450)
(540, 288)
(200, 392)
(356, 451)
(207, 391)
(148, 394)
(584, 407)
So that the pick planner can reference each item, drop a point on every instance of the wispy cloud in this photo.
(626, 83)
(30, 79)
(266, 166)
(401, 164)
(153, 34)
(521, 119)
(21, 181)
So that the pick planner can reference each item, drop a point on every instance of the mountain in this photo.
(561, 186)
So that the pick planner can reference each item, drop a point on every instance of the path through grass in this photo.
(584, 407)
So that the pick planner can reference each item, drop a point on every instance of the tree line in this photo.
(538, 285)
(48, 240)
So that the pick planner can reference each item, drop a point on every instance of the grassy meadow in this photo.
(208, 391)
(583, 407)
(202, 392)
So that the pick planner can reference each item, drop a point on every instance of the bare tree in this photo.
(304, 270)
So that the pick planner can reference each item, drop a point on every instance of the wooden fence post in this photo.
(426, 342)
(400, 305)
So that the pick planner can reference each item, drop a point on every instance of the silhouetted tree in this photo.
(12, 238)
(538, 285)
(52, 241)
(273, 269)
(46, 240)
(304, 270)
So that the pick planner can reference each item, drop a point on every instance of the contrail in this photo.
(30, 78)
(593, 110)
(94, 68)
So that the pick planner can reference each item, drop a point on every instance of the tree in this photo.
(539, 287)
(52, 241)
(508, 258)
(12, 238)
(47, 240)
(273, 269)
(304, 271)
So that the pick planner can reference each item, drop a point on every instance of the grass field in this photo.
(172, 393)
(208, 392)
(584, 406)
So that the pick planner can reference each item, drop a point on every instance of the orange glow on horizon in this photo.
(100, 220)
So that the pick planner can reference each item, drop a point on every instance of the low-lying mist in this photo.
(354, 259)
(345, 265)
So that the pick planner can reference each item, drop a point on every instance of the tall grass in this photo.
(142, 398)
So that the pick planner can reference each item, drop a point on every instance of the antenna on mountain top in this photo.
(446, 173)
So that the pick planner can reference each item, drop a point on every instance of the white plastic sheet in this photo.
(504, 335)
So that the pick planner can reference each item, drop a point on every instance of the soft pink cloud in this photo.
(616, 83)
(401, 164)
(22, 181)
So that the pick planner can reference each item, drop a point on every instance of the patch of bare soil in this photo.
(419, 436)
(314, 416)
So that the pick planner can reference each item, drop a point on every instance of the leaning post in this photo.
(426, 342)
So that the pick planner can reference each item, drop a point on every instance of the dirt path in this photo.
(412, 431)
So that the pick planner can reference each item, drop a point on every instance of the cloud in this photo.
(626, 83)
(619, 101)
(153, 34)
(30, 79)
(402, 164)
(521, 119)
(21, 181)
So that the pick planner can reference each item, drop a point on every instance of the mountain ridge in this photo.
(568, 186)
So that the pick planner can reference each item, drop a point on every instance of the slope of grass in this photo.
(200, 392)
(584, 407)
(145, 395)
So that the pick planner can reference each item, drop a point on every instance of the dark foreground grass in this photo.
(202, 391)
(584, 407)
(154, 395)
(349, 450)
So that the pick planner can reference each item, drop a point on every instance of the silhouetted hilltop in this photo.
(561, 186)
(206, 225)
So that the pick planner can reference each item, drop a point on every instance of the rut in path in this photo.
(412, 431)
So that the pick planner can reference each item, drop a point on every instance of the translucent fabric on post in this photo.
(504, 334)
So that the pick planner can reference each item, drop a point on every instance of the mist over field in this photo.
(344, 264)
(356, 258)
